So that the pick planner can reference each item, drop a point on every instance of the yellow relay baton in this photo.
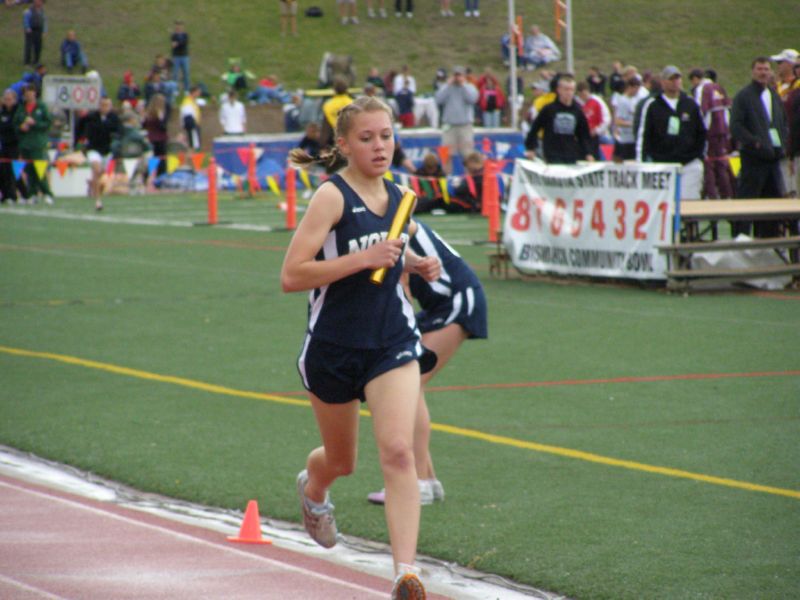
(399, 221)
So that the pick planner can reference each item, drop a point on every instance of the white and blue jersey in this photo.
(456, 297)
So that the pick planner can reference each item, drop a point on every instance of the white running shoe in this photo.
(430, 491)
(476, 13)
(370, 13)
(48, 199)
(407, 585)
(382, 12)
(317, 519)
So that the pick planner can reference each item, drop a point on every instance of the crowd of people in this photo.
(653, 117)
(642, 115)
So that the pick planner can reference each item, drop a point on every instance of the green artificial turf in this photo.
(162, 356)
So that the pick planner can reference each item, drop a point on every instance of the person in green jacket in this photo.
(32, 122)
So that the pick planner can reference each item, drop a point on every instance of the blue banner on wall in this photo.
(416, 143)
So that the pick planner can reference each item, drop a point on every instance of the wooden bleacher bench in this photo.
(680, 274)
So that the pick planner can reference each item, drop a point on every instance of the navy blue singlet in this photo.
(456, 297)
(353, 312)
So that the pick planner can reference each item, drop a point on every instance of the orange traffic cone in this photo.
(250, 531)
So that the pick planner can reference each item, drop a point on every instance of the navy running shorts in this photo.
(337, 374)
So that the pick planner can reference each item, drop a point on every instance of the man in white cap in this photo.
(785, 62)
(788, 82)
(671, 130)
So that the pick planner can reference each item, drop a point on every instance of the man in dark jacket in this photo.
(9, 150)
(32, 122)
(671, 130)
(758, 125)
(101, 127)
(566, 131)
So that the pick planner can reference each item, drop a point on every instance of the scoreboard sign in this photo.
(72, 92)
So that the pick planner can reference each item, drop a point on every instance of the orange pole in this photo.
(491, 200)
(212, 191)
(291, 198)
(251, 170)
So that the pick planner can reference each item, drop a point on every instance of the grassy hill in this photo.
(725, 34)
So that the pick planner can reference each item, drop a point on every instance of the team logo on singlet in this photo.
(365, 241)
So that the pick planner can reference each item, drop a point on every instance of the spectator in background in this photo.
(404, 77)
(786, 83)
(624, 117)
(132, 143)
(491, 99)
(100, 129)
(191, 117)
(374, 77)
(289, 17)
(347, 11)
(398, 8)
(292, 114)
(236, 77)
(155, 86)
(566, 138)
(596, 81)
(792, 104)
(9, 151)
(715, 108)
(471, 8)
(155, 124)
(165, 68)
(430, 170)
(405, 87)
(72, 54)
(232, 115)
(672, 130)
(785, 62)
(179, 41)
(539, 49)
(616, 82)
(34, 23)
(129, 90)
(269, 90)
(310, 143)
(457, 99)
(758, 126)
(468, 195)
(597, 116)
(32, 122)
(371, 9)
(331, 108)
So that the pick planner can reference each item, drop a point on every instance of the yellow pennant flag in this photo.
(41, 168)
(445, 192)
(388, 175)
(173, 162)
(304, 178)
(273, 185)
(736, 165)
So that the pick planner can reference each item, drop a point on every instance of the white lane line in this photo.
(28, 588)
(189, 538)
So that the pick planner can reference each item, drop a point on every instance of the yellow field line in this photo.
(459, 431)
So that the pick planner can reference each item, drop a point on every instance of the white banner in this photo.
(602, 220)
(72, 92)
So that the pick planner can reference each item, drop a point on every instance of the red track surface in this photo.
(57, 545)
